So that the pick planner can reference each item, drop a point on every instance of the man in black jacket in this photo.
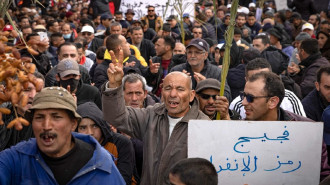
(146, 47)
(68, 76)
(318, 99)
(93, 42)
(198, 66)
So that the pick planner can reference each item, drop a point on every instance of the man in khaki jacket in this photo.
(163, 128)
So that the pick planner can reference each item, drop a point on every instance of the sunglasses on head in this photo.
(249, 97)
(206, 96)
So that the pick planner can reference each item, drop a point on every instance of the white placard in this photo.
(259, 153)
(281, 5)
(139, 7)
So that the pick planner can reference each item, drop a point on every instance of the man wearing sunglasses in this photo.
(290, 101)
(155, 22)
(207, 93)
(93, 42)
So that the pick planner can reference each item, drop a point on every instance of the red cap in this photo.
(8, 28)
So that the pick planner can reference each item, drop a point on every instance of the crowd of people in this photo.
(134, 84)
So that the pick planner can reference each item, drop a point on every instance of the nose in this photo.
(134, 97)
(211, 100)
(173, 93)
(47, 124)
(89, 131)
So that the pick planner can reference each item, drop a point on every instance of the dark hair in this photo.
(195, 171)
(257, 63)
(50, 23)
(112, 42)
(281, 15)
(264, 39)
(322, 70)
(134, 28)
(237, 31)
(240, 15)
(310, 46)
(26, 27)
(251, 14)
(100, 52)
(28, 37)
(250, 54)
(273, 84)
(54, 36)
(65, 44)
(168, 40)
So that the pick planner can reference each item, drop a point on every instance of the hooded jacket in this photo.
(277, 59)
(151, 125)
(23, 164)
(118, 145)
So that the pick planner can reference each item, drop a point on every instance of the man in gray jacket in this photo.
(163, 128)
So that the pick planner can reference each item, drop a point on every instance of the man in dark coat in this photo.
(311, 61)
(198, 66)
(93, 42)
(319, 98)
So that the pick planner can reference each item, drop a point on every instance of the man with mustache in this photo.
(57, 155)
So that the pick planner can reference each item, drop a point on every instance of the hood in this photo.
(91, 111)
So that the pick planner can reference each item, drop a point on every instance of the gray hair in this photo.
(115, 24)
(133, 78)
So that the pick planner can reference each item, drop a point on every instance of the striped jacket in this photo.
(290, 103)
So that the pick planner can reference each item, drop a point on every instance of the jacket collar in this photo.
(99, 159)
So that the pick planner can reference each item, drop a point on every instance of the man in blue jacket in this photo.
(56, 155)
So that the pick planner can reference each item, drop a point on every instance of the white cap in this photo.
(245, 10)
(219, 46)
(307, 26)
(87, 29)
(228, 5)
(252, 5)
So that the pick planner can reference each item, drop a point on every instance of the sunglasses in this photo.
(86, 33)
(249, 97)
(151, 10)
(206, 96)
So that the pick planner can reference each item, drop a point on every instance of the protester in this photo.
(118, 145)
(42, 159)
(193, 171)
(166, 122)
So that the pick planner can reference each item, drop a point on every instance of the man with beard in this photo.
(57, 155)
(68, 76)
(317, 100)
(10, 137)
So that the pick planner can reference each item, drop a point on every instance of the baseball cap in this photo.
(106, 16)
(209, 83)
(326, 120)
(130, 11)
(199, 43)
(307, 26)
(220, 46)
(87, 28)
(185, 15)
(68, 66)
(53, 98)
(252, 5)
(167, 27)
(8, 28)
(40, 27)
(228, 5)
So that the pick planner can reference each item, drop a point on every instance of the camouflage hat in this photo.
(53, 98)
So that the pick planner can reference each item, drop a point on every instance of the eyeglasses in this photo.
(86, 33)
(200, 33)
(195, 52)
(207, 96)
(151, 10)
(249, 97)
